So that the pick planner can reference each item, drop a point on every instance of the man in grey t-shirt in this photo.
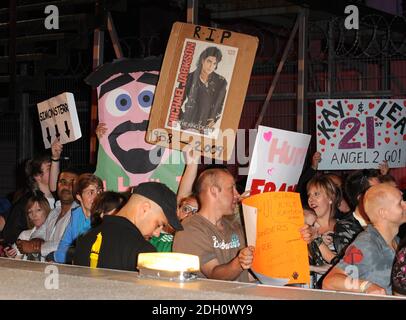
(367, 264)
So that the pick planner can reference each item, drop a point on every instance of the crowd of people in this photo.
(351, 224)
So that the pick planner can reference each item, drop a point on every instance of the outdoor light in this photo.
(168, 265)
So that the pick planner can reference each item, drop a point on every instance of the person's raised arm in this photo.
(56, 151)
(190, 173)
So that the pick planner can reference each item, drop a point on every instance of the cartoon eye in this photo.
(145, 98)
(118, 102)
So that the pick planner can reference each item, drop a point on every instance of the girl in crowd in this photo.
(106, 203)
(37, 174)
(87, 187)
(37, 210)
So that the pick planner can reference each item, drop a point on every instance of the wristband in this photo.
(364, 286)
(55, 160)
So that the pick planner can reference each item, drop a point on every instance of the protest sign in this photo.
(201, 89)
(361, 134)
(125, 91)
(59, 119)
(281, 255)
(277, 160)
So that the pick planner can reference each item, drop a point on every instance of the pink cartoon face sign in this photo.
(125, 93)
(126, 110)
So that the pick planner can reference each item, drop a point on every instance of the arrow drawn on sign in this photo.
(57, 134)
(67, 131)
(48, 135)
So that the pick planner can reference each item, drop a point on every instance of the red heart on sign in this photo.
(323, 141)
(318, 117)
(322, 150)
(395, 133)
(379, 134)
(364, 144)
(361, 134)
(346, 101)
(329, 102)
(363, 125)
(332, 144)
(404, 137)
(335, 122)
(377, 101)
(320, 103)
(319, 134)
(387, 139)
(371, 105)
(396, 143)
(334, 135)
(404, 103)
(350, 106)
(379, 143)
(366, 112)
(347, 113)
(268, 136)
(388, 125)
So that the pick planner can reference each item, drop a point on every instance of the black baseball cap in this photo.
(162, 196)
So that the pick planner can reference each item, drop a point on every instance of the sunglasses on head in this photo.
(187, 208)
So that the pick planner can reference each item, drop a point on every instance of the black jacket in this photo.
(121, 242)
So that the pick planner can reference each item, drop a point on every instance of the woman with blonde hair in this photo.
(334, 235)
(37, 210)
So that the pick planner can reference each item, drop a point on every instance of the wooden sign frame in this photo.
(177, 116)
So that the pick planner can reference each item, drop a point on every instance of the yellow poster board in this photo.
(280, 251)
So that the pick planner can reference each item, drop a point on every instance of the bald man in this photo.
(367, 264)
(219, 242)
(117, 241)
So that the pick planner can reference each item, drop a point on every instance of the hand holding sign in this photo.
(56, 149)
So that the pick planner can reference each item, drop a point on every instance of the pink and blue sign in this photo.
(360, 134)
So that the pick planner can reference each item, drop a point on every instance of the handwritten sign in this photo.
(281, 255)
(59, 119)
(125, 91)
(358, 134)
(277, 160)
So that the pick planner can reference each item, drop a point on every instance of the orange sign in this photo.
(280, 252)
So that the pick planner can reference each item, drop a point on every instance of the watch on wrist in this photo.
(318, 241)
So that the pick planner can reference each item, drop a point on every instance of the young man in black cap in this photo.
(116, 243)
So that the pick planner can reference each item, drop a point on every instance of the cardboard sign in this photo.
(281, 255)
(59, 119)
(277, 160)
(201, 89)
(361, 134)
(125, 93)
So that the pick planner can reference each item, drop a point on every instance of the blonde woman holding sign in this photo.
(333, 235)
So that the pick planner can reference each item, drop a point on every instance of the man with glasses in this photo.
(187, 207)
(87, 187)
(57, 219)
